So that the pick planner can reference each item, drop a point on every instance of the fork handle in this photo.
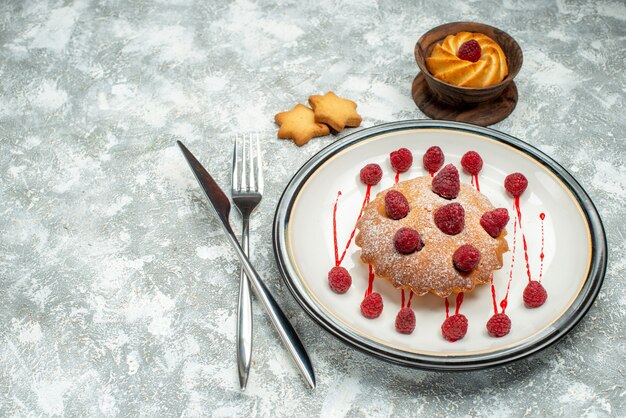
(280, 322)
(244, 313)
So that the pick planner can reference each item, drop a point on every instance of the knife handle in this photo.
(282, 325)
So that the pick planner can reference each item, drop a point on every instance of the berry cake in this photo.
(426, 235)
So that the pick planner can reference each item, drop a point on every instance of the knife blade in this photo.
(220, 203)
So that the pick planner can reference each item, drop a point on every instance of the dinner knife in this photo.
(221, 205)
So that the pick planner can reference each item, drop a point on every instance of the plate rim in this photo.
(561, 326)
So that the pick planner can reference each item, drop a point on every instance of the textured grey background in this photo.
(117, 288)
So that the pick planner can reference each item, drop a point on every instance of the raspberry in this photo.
(466, 257)
(494, 221)
(446, 183)
(396, 205)
(371, 174)
(433, 159)
(372, 305)
(339, 279)
(454, 327)
(407, 241)
(472, 163)
(515, 184)
(405, 321)
(450, 218)
(470, 51)
(401, 160)
(535, 294)
(499, 325)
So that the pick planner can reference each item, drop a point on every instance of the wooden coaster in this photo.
(482, 114)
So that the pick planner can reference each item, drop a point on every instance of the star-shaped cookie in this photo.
(335, 111)
(299, 124)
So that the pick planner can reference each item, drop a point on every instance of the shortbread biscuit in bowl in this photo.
(446, 62)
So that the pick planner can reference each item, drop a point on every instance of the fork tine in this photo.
(259, 166)
(252, 185)
(243, 186)
(235, 173)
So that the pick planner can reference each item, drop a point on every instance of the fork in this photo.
(246, 192)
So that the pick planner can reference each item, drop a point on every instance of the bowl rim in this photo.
(509, 78)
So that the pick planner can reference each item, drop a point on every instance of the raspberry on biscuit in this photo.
(470, 51)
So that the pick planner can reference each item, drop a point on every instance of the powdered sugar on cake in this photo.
(431, 269)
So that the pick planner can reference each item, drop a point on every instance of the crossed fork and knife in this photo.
(246, 193)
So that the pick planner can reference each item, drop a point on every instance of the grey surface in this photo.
(117, 288)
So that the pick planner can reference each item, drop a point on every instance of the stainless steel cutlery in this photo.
(220, 203)
(246, 192)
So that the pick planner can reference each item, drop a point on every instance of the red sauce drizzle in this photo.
(504, 302)
(432, 173)
(459, 302)
(542, 216)
(526, 257)
(370, 285)
(518, 210)
(474, 181)
(493, 296)
(397, 177)
(408, 301)
(366, 200)
(335, 229)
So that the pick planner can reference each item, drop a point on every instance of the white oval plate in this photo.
(574, 247)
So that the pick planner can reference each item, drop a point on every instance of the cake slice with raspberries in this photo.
(433, 235)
